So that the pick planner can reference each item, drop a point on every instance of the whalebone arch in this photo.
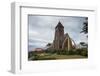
(68, 43)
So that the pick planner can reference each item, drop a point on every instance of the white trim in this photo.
(15, 52)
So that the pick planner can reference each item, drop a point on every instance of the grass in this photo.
(48, 56)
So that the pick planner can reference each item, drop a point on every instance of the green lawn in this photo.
(47, 56)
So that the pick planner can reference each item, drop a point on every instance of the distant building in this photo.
(39, 50)
(62, 41)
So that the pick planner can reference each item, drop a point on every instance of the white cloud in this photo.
(33, 33)
(42, 28)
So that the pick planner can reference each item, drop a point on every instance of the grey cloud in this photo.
(45, 27)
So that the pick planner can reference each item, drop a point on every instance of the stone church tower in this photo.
(62, 41)
(59, 36)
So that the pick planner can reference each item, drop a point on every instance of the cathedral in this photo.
(62, 41)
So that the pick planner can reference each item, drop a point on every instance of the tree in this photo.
(85, 27)
(49, 44)
(83, 43)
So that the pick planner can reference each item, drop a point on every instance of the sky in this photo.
(42, 29)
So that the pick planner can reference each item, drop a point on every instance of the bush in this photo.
(66, 52)
(82, 51)
(71, 52)
(52, 51)
(36, 57)
(78, 51)
(32, 53)
(61, 52)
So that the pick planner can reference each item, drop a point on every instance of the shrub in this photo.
(32, 53)
(61, 52)
(71, 52)
(82, 51)
(78, 51)
(51, 51)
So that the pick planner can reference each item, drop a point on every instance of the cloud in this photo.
(33, 33)
(42, 28)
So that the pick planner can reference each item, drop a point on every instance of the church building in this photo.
(62, 41)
